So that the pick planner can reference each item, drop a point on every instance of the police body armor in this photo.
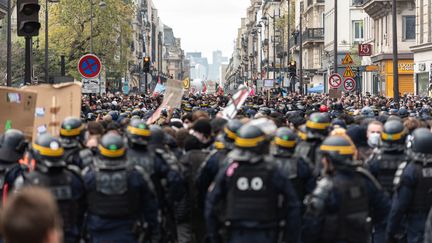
(389, 163)
(113, 197)
(59, 182)
(289, 167)
(350, 222)
(251, 196)
(307, 150)
(422, 201)
(5, 189)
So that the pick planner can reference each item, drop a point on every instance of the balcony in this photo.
(311, 35)
(377, 8)
(3, 7)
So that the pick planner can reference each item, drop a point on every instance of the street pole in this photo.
(261, 52)
(46, 43)
(274, 44)
(145, 83)
(288, 34)
(301, 52)
(91, 26)
(28, 54)
(395, 53)
(335, 41)
(62, 66)
(268, 47)
(9, 45)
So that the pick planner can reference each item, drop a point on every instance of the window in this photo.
(357, 30)
(408, 27)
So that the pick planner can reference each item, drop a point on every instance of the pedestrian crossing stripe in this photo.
(347, 59)
(348, 72)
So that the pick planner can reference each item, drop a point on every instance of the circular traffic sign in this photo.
(349, 84)
(335, 81)
(89, 66)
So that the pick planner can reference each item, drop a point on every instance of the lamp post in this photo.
(395, 53)
(259, 30)
(265, 19)
(46, 40)
(9, 45)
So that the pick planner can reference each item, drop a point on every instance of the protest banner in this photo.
(17, 110)
(174, 87)
(55, 103)
(238, 99)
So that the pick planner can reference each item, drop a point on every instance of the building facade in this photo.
(423, 48)
(380, 25)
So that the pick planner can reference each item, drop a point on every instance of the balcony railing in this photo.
(313, 34)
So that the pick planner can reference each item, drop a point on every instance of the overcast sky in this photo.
(204, 25)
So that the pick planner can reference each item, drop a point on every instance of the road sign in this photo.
(89, 66)
(365, 50)
(90, 86)
(186, 83)
(349, 84)
(347, 59)
(335, 81)
(349, 72)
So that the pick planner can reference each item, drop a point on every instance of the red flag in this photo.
(204, 88)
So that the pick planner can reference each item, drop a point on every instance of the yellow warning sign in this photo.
(347, 59)
(349, 72)
(186, 83)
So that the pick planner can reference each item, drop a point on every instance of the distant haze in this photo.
(204, 25)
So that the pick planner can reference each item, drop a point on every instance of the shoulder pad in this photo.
(85, 170)
(75, 169)
(398, 174)
(369, 176)
(145, 176)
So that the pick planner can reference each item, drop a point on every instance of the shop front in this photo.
(406, 77)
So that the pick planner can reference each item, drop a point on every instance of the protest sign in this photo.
(174, 87)
(238, 99)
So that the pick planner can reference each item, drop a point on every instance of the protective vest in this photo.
(112, 196)
(422, 201)
(289, 167)
(251, 195)
(388, 164)
(59, 182)
(350, 222)
(5, 187)
(307, 150)
(143, 159)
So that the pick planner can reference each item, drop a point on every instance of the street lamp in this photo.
(46, 39)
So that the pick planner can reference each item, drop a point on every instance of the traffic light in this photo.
(292, 67)
(147, 64)
(28, 18)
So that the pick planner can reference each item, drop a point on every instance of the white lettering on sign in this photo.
(406, 66)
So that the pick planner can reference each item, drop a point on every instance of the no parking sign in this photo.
(335, 81)
(89, 66)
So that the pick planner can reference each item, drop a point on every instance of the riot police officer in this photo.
(64, 181)
(413, 197)
(216, 160)
(297, 170)
(385, 160)
(71, 137)
(249, 188)
(317, 128)
(339, 208)
(12, 148)
(118, 196)
(167, 181)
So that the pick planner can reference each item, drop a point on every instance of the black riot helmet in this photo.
(12, 146)
(157, 135)
(250, 144)
(71, 132)
(112, 146)
(338, 150)
(138, 133)
(250, 137)
(230, 130)
(48, 151)
(284, 142)
(318, 125)
(419, 145)
(393, 134)
(285, 138)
